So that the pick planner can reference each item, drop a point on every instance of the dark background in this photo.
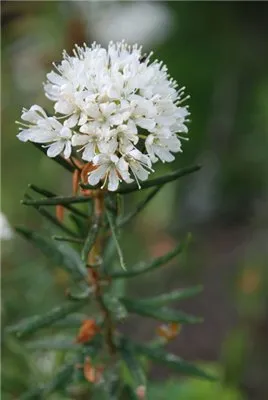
(219, 51)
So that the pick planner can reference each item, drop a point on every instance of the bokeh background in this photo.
(219, 51)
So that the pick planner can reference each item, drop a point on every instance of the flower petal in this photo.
(55, 148)
(68, 149)
(113, 180)
(89, 152)
(95, 176)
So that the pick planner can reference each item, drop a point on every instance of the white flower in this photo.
(111, 103)
(161, 147)
(109, 167)
(44, 129)
(140, 164)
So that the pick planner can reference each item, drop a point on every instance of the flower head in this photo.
(118, 109)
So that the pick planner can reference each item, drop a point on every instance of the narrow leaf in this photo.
(173, 361)
(49, 194)
(51, 218)
(81, 295)
(114, 305)
(61, 379)
(52, 343)
(59, 253)
(59, 200)
(163, 313)
(175, 295)
(32, 324)
(133, 364)
(113, 231)
(139, 207)
(58, 159)
(59, 382)
(125, 189)
(156, 263)
(91, 238)
(67, 239)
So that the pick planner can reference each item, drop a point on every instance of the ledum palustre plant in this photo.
(116, 114)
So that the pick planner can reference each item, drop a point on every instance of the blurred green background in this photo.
(219, 51)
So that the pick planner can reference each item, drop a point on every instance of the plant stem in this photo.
(93, 257)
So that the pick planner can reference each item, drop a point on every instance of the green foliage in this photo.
(176, 363)
(32, 324)
(113, 228)
(98, 285)
(91, 238)
(160, 313)
(60, 254)
(143, 267)
(162, 299)
(49, 194)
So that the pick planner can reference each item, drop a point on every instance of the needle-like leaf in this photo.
(156, 263)
(47, 193)
(111, 221)
(59, 200)
(175, 295)
(58, 382)
(162, 314)
(51, 218)
(133, 364)
(59, 253)
(172, 361)
(67, 239)
(91, 238)
(32, 324)
(162, 180)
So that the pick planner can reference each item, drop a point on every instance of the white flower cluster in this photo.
(121, 110)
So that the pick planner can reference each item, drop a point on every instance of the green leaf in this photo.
(111, 221)
(51, 218)
(129, 188)
(163, 313)
(59, 382)
(67, 239)
(52, 343)
(114, 305)
(172, 361)
(73, 320)
(47, 193)
(58, 159)
(59, 200)
(108, 256)
(179, 294)
(142, 268)
(91, 238)
(139, 207)
(64, 343)
(133, 364)
(81, 295)
(60, 253)
(32, 324)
